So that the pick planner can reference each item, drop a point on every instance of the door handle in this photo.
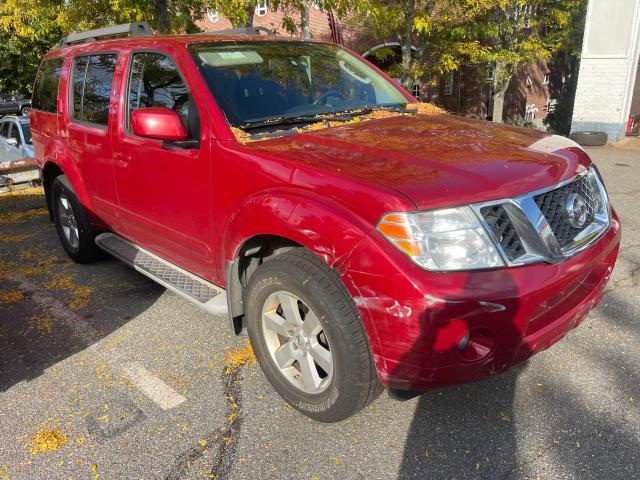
(122, 159)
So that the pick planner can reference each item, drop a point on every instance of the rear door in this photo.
(90, 97)
(164, 190)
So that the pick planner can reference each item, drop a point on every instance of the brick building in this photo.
(266, 17)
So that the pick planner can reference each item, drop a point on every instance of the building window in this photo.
(213, 16)
(551, 105)
(415, 90)
(530, 113)
(529, 81)
(261, 9)
(448, 84)
(545, 80)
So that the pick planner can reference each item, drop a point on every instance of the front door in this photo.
(10, 142)
(8, 104)
(164, 190)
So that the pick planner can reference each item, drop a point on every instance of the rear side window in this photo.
(45, 90)
(91, 84)
(4, 129)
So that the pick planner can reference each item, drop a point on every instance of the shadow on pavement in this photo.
(466, 431)
(567, 427)
(50, 307)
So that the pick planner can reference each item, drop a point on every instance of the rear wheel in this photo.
(308, 338)
(72, 224)
(25, 111)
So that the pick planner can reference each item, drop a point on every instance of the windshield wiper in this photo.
(338, 116)
(274, 122)
(370, 109)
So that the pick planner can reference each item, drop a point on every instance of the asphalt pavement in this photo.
(106, 375)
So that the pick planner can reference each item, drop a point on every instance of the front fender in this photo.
(326, 227)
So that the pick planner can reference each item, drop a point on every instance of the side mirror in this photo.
(12, 142)
(159, 123)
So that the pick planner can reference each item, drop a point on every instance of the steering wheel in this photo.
(322, 99)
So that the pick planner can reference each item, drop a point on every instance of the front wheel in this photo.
(308, 338)
(25, 111)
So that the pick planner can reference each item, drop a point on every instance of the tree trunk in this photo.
(502, 79)
(251, 11)
(161, 12)
(406, 44)
(306, 32)
(407, 80)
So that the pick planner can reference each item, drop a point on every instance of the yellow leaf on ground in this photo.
(47, 441)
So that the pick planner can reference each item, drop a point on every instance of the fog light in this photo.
(476, 345)
(464, 341)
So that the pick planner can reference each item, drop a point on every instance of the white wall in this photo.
(608, 67)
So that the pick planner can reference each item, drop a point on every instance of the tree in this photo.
(28, 30)
(515, 33)
(449, 33)
(437, 29)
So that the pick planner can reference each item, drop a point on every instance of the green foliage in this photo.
(559, 121)
(453, 33)
(23, 43)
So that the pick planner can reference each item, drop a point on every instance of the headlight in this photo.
(442, 240)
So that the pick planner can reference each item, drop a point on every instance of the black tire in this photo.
(84, 250)
(354, 382)
(25, 111)
(589, 139)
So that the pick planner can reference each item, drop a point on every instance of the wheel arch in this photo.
(52, 169)
(295, 220)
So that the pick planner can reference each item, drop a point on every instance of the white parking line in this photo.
(159, 392)
(154, 388)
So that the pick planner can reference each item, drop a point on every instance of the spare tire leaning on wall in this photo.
(589, 139)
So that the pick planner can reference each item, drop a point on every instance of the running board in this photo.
(196, 289)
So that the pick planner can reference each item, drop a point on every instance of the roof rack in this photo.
(134, 29)
(242, 31)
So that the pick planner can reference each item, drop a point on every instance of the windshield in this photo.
(26, 131)
(254, 82)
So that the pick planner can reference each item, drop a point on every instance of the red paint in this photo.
(158, 123)
(326, 190)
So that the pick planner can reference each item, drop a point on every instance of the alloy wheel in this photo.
(297, 343)
(68, 221)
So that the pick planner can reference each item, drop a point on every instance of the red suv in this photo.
(359, 242)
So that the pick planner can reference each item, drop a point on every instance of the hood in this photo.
(436, 161)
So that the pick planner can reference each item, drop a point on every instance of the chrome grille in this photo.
(504, 231)
(536, 227)
(552, 206)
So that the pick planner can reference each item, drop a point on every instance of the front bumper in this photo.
(418, 321)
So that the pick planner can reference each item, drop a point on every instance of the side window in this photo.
(154, 81)
(45, 90)
(14, 133)
(77, 86)
(91, 84)
(4, 129)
